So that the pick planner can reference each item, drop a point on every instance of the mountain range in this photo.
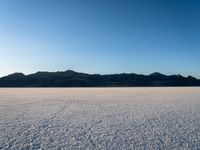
(71, 78)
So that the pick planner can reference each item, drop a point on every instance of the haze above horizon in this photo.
(105, 37)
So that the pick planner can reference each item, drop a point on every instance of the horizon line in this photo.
(100, 73)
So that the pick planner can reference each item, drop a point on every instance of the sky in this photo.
(100, 36)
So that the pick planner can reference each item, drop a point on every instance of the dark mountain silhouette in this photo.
(71, 78)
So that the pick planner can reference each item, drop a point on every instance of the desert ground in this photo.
(100, 118)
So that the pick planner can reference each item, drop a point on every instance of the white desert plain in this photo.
(100, 118)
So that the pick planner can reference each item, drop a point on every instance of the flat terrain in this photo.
(100, 118)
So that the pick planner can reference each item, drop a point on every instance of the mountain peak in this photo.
(70, 71)
(16, 74)
(157, 74)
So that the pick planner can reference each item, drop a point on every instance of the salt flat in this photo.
(100, 118)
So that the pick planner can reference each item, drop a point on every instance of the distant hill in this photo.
(71, 78)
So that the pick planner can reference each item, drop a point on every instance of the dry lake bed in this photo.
(100, 118)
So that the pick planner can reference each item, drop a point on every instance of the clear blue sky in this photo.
(100, 36)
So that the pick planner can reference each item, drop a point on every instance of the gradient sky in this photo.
(100, 36)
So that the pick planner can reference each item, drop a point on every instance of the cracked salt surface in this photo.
(100, 118)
